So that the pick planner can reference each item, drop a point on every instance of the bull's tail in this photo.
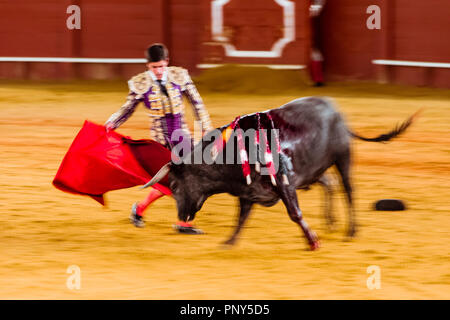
(399, 129)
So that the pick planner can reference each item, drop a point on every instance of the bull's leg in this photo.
(289, 197)
(244, 211)
(328, 197)
(343, 165)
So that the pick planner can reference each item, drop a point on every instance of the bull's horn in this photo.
(158, 176)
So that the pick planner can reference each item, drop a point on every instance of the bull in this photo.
(313, 137)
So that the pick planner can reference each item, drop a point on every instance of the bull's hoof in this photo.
(227, 245)
(315, 245)
(331, 228)
(229, 242)
(348, 238)
(351, 234)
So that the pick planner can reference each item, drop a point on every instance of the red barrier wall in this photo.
(411, 30)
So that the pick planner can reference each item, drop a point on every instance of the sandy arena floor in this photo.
(44, 231)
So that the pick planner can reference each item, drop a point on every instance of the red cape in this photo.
(98, 162)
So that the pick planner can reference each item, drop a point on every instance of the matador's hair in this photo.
(157, 52)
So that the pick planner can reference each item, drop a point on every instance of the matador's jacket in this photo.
(165, 107)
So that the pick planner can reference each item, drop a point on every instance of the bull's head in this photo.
(187, 188)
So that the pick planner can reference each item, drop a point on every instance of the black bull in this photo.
(313, 138)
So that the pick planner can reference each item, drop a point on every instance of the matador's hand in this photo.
(109, 127)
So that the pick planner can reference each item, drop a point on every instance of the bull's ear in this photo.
(159, 175)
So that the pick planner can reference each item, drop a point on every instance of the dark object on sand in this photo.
(389, 205)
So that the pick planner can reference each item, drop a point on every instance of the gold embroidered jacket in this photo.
(144, 89)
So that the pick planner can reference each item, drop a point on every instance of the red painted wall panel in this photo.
(186, 23)
(421, 30)
(256, 26)
(411, 30)
(348, 46)
(120, 29)
(34, 28)
(253, 28)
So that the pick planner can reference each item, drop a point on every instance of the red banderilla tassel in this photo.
(277, 140)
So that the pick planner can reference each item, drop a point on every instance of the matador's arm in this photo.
(124, 112)
(196, 101)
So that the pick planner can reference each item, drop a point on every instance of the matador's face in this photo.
(158, 68)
